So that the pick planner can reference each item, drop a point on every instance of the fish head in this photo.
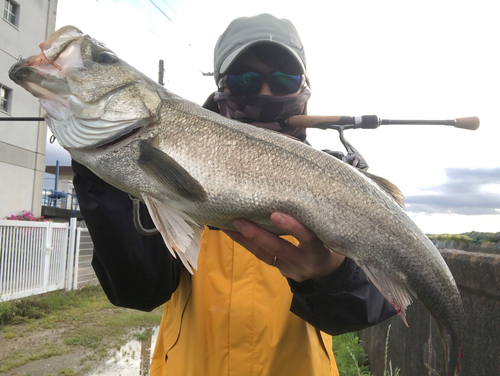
(92, 98)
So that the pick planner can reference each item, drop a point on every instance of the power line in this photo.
(169, 6)
(157, 7)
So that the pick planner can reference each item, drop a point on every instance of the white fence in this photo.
(84, 273)
(37, 257)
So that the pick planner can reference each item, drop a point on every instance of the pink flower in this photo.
(27, 216)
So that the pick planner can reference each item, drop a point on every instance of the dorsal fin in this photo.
(388, 187)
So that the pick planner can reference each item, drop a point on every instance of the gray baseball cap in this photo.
(246, 32)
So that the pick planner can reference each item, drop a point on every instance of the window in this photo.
(5, 98)
(11, 12)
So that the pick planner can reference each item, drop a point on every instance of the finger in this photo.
(316, 260)
(270, 242)
(293, 227)
(253, 248)
(261, 253)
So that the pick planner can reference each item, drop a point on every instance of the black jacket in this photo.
(139, 272)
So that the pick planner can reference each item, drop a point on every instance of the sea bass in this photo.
(192, 167)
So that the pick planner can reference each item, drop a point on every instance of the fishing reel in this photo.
(341, 123)
(353, 157)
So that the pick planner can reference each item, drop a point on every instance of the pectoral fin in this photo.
(180, 233)
(161, 167)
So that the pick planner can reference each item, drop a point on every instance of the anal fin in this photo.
(395, 291)
(180, 233)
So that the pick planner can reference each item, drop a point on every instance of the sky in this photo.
(394, 59)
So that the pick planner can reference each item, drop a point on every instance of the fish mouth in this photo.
(37, 82)
(43, 74)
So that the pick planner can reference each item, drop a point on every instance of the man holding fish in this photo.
(257, 304)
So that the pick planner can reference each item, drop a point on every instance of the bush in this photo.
(451, 237)
(22, 310)
(349, 354)
(26, 216)
(479, 237)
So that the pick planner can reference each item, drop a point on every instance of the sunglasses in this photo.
(250, 82)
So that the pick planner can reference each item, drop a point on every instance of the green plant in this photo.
(37, 307)
(391, 372)
(6, 312)
(66, 372)
(143, 336)
(11, 362)
(350, 356)
(431, 369)
(9, 335)
(450, 237)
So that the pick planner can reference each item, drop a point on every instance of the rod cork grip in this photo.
(471, 123)
(309, 121)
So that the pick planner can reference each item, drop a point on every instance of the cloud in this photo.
(466, 191)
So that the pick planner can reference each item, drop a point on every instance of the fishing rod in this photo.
(331, 122)
(22, 118)
(341, 123)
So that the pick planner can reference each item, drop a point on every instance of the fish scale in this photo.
(193, 167)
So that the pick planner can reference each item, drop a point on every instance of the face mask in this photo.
(264, 111)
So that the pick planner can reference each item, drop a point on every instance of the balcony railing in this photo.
(59, 199)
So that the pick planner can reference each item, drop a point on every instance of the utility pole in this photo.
(161, 71)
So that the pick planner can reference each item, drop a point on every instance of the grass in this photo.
(390, 371)
(90, 340)
(84, 322)
(143, 336)
(17, 360)
(39, 306)
(66, 372)
(352, 360)
(89, 322)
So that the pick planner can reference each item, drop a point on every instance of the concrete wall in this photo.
(22, 144)
(478, 278)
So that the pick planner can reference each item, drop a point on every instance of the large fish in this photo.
(192, 167)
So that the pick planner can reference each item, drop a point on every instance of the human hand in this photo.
(311, 259)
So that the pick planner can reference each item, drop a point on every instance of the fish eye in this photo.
(105, 57)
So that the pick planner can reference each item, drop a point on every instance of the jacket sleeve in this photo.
(135, 271)
(349, 302)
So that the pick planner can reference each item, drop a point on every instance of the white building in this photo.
(24, 25)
